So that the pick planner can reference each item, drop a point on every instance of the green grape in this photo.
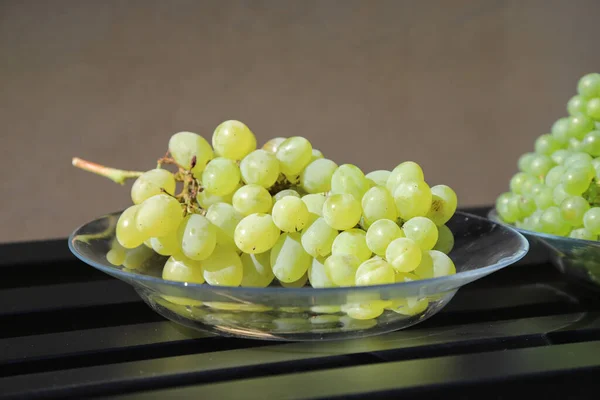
(198, 237)
(136, 259)
(575, 145)
(445, 242)
(596, 163)
(225, 218)
(579, 125)
(442, 264)
(379, 177)
(591, 220)
(233, 140)
(405, 172)
(316, 177)
(159, 216)
(422, 230)
(206, 199)
(375, 271)
(296, 284)
(575, 181)
(509, 210)
(410, 306)
(516, 182)
(221, 176)
(544, 198)
(527, 206)
(349, 179)
(554, 176)
(546, 144)
(577, 158)
(290, 214)
(576, 105)
(560, 130)
(184, 146)
(318, 238)
(223, 268)
(552, 222)
(341, 269)
(559, 156)
(272, 145)
(572, 210)
(150, 184)
(318, 278)
(381, 234)
(534, 221)
(425, 269)
(524, 162)
(257, 270)
(559, 194)
(591, 143)
(593, 109)
(403, 254)
(289, 259)
(353, 241)
(181, 269)
(284, 193)
(127, 232)
(252, 199)
(342, 211)
(256, 233)
(260, 168)
(167, 245)
(503, 200)
(589, 86)
(314, 203)
(405, 277)
(294, 154)
(413, 199)
(116, 256)
(363, 311)
(540, 165)
(378, 204)
(443, 204)
(529, 184)
(582, 233)
(316, 154)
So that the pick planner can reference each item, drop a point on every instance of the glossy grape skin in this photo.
(260, 168)
(342, 211)
(233, 140)
(151, 183)
(316, 177)
(381, 234)
(378, 203)
(294, 154)
(256, 233)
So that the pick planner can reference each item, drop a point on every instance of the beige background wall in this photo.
(463, 87)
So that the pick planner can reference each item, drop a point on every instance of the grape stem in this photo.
(116, 175)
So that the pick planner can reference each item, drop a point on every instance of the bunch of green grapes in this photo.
(556, 189)
(284, 213)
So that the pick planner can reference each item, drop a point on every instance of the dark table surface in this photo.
(67, 330)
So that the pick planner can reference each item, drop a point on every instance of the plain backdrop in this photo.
(462, 87)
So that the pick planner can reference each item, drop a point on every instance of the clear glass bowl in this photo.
(277, 313)
(578, 259)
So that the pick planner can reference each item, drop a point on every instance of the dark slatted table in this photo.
(67, 330)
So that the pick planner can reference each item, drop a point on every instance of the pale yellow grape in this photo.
(318, 278)
(116, 255)
(375, 271)
(233, 139)
(316, 177)
(184, 146)
(381, 234)
(425, 268)
(318, 238)
(350, 324)
(289, 260)
(206, 199)
(341, 269)
(225, 218)
(148, 243)
(422, 230)
(290, 214)
(273, 144)
(314, 203)
(349, 179)
(223, 268)
(127, 232)
(198, 237)
(316, 154)
(167, 245)
(443, 204)
(260, 168)
(256, 233)
(135, 259)
(379, 177)
(284, 193)
(320, 320)
(257, 270)
(413, 199)
(221, 176)
(403, 254)
(159, 215)
(405, 172)
(252, 199)
(378, 204)
(294, 154)
(296, 284)
(181, 269)
(326, 309)
(342, 211)
(409, 306)
(442, 264)
(150, 183)
(352, 241)
(363, 311)
(445, 242)
(405, 277)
